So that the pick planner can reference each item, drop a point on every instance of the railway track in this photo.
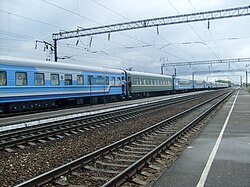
(117, 163)
(20, 138)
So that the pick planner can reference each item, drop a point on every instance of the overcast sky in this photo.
(22, 22)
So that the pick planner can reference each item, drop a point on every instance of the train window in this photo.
(90, 79)
(99, 80)
(107, 80)
(80, 80)
(68, 79)
(3, 78)
(21, 79)
(119, 81)
(54, 79)
(113, 81)
(39, 79)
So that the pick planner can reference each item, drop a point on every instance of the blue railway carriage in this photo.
(140, 84)
(199, 85)
(183, 85)
(30, 84)
(210, 85)
(221, 85)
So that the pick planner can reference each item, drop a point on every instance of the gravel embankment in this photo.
(24, 164)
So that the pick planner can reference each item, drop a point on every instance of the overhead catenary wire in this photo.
(31, 19)
(194, 30)
(115, 12)
(208, 29)
(84, 17)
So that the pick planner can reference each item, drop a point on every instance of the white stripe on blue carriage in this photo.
(29, 91)
(31, 96)
(182, 84)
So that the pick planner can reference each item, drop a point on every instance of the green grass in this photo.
(248, 88)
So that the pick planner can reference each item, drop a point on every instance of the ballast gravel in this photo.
(24, 164)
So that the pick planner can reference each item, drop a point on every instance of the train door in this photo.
(129, 87)
(128, 84)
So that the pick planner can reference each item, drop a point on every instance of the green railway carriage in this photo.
(141, 84)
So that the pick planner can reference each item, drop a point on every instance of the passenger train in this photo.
(31, 84)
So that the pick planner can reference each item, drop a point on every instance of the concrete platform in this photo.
(220, 156)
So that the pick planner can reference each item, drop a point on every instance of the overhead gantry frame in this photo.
(155, 22)
(192, 63)
(201, 62)
(222, 71)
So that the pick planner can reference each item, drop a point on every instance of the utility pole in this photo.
(163, 60)
(193, 80)
(240, 81)
(55, 49)
(246, 78)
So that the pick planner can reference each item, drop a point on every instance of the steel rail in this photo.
(159, 101)
(55, 173)
(133, 169)
(34, 134)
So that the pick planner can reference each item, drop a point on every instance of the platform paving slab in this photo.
(231, 164)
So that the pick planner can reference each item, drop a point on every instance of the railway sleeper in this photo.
(145, 173)
(165, 156)
(143, 145)
(62, 181)
(98, 178)
(139, 182)
(125, 160)
(152, 166)
(139, 148)
(21, 146)
(91, 168)
(149, 142)
(127, 155)
(133, 152)
(9, 150)
(112, 164)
